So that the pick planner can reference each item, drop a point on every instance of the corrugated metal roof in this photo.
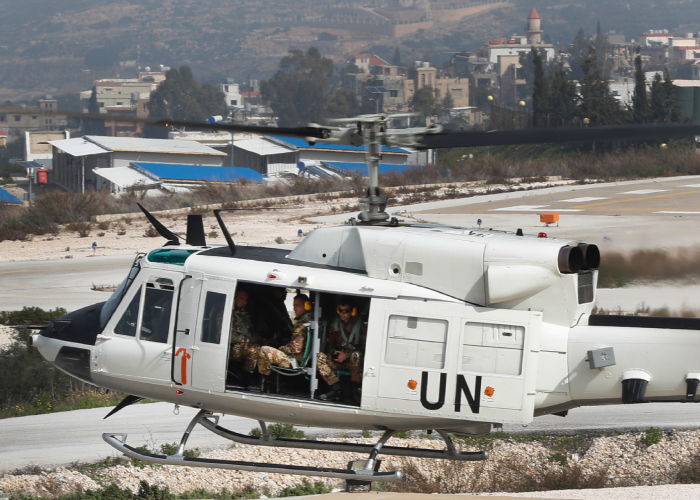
(78, 147)
(197, 173)
(361, 168)
(263, 146)
(300, 143)
(124, 177)
(6, 197)
(153, 145)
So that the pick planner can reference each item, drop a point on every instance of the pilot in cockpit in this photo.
(345, 346)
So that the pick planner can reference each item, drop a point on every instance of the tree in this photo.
(342, 104)
(564, 98)
(579, 52)
(447, 104)
(180, 97)
(663, 105)
(396, 60)
(540, 87)
(640, 104)
(297, 92)
(93, 127)
(423, 101)
(597, 102)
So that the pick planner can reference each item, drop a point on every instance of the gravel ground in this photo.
(628, 467)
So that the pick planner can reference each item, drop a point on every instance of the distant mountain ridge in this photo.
(63, 46)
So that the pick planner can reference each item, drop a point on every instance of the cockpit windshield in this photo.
(121, 290)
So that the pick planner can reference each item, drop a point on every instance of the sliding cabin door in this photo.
(451, 360)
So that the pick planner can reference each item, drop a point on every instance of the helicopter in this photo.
(467, 328)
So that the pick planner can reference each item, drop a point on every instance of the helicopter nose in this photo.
(67, 342)
(81, 326)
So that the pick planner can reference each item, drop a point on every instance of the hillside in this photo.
(62, 46)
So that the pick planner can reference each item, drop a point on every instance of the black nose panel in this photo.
(75, 361)
(81, 326)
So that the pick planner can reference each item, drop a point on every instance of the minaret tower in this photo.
(534, 33)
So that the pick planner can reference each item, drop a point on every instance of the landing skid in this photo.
(367, 473)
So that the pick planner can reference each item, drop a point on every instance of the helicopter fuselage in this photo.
(467, 328)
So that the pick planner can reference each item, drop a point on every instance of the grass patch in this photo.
(146, 491)
(280, 431)
(652, 436)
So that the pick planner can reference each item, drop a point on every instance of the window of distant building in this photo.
(234, 102)
(430, 80)
(144, 107)
(225, 88)
(422, 80)
(393, 93)
(3, 118)
(35, 117)
(18, 118)
(120, 103)
(102, 105)
(456, 93)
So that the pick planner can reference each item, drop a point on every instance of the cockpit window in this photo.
(127, 323)
(155, 324)
(121, 290)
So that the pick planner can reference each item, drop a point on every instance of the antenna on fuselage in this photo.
(166, 233)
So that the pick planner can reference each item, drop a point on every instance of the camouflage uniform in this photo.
(244, 341)
(295, 347)
(352, 346)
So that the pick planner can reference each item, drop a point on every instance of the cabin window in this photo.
(213, 317)
(419, 342)
(127, 323)
(490, 348)
(585, 287)
(155, 324)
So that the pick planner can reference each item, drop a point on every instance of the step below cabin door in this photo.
(451, 360)
(211, 342)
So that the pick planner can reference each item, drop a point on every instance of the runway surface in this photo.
(59, 283)
(61, 438)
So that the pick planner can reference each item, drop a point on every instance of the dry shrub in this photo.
(104, 225)
(13, 231)
(150, 232)
(63, 207)
(510, 475)
(618, 269)
(688, 472)
(82, 228)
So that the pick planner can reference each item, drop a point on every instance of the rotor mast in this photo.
(373, 204)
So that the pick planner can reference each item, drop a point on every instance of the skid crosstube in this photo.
(450, 453)
(114, 440)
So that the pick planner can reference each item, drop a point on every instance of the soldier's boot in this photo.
(357, 392)
(333, 394)
(253, 381)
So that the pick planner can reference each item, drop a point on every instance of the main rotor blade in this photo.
(318, 131)
(559, 135)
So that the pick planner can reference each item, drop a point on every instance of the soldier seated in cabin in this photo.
(291, 354)
(272, 320)
(345, 346)
(245, 343)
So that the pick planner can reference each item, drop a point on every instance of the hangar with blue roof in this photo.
(275, 155)
(8, 199)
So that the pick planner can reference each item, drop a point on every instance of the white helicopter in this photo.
(466, 328)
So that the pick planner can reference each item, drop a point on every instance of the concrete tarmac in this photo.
(59, 283)
(62, 438)
(621, 216)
